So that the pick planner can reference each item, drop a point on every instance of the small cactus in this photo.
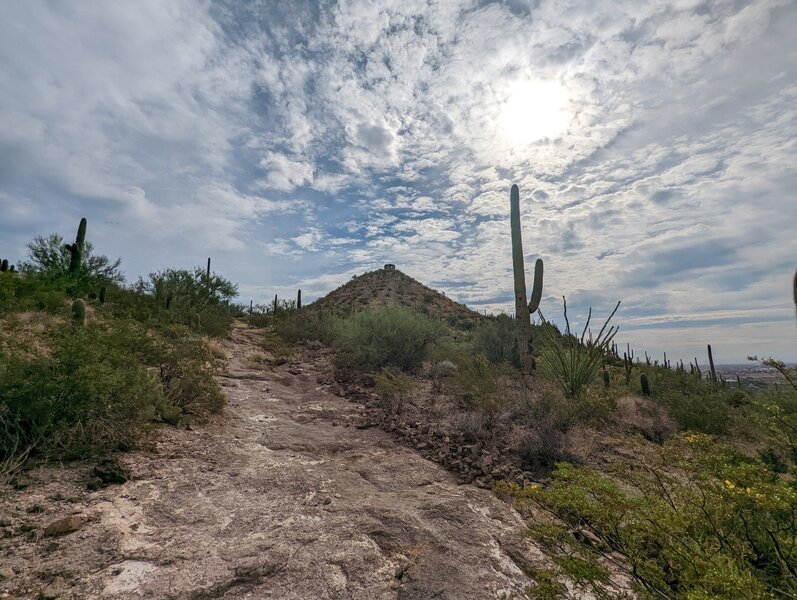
(606, 379)
(4, 265)
(643, 381)
(79, 312)
(627, 366)
(102, 295)
(299, 300)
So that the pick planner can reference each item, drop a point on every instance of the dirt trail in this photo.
(281, 497)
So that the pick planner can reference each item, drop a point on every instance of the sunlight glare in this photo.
(534, 110)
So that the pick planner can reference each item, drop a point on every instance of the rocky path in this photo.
(280, 497)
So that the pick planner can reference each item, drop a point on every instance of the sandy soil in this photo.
(282, 496)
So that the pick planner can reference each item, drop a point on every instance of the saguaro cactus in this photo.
(711, 364)
(102, 294)
(794, 285)
(207, 273)
(299, 300)
(523, 307)
(4, 265)
(76, 249)
(645, 384)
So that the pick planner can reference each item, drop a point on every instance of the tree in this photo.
(193, 289)
(47, 255)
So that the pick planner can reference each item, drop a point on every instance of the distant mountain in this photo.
(392, 287)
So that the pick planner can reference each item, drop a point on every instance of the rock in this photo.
(54, 589)
(109, 471)
(63, 526)
(6, 573)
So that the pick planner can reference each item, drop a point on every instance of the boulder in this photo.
(63, 526)
(54, 589)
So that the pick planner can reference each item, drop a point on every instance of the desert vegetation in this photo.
(679, 481)
(88, 365)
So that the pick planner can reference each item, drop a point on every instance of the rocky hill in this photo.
(392, 287)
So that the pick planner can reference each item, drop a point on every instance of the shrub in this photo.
(89, 389)
(394, 386)
(698, 520)
(571, 362)
(186, 367)
(192, 298)
(303, 326)
(20, 293)
(48, 257)
(389, 336)
(697, 404)
(86, 395)
(496, 339)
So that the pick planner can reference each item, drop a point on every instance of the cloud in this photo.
(362, 132)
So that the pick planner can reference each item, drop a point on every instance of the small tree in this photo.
(49, 257)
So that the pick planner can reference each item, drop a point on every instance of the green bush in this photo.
(389, 336)
(394, 386)
(570, 365)
(302, 326)
(89, 389)
(186, 367)
(20, 293)
(697, 520)
(49, 258)
(496, 339)
(85, 395)
(191, 298)
(698, 404)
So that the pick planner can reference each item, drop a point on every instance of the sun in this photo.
(534, 111)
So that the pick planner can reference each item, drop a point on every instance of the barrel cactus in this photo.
(645, 384)
(79, 312)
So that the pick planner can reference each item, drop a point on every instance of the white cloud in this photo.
(370, 132)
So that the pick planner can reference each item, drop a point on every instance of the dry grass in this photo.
(216, 348)
(642, 416)
(257, 358)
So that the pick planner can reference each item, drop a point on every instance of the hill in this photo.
(392, 287)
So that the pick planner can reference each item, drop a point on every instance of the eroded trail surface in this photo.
(282, 496)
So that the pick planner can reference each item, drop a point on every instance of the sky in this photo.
(301, 143)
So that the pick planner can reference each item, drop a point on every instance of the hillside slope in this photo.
(287, 496)
(392, 287)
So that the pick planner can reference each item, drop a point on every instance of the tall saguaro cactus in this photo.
(523, 308)
(299, 300)
(711, 365)
(76, 249)
(794, 285)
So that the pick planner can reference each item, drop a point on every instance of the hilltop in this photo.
(392, 287)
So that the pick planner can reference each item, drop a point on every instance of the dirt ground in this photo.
(281, 496)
